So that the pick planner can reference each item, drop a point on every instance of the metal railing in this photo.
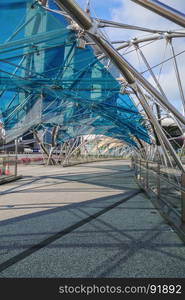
(8, 167)
(166, 188)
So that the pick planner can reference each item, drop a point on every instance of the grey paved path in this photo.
(84, 221)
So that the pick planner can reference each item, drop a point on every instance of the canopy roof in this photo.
(47, 80)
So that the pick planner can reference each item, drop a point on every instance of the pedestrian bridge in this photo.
(65, 85)
(90, 220)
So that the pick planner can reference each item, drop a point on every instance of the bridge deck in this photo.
(84, 221)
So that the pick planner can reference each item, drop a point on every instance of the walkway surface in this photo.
(84, 221)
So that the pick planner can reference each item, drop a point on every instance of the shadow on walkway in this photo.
(119, 234)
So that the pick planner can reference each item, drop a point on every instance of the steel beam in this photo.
(161, 135)
(146, 84)
(178, 76)
(148, 38)
(150, 70)
(152, 37)
(130, 73)
(127, 70)
(107, 23)
(76, 12)
(163, 10)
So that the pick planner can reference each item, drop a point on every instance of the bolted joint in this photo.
(76, 12)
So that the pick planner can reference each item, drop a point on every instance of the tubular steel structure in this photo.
(66, 86)
(128, 71)
(57, 81)
(163, 10)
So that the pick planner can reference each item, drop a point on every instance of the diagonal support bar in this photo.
(78, 14)
(126, 69)
(178, 76)
(163, 10)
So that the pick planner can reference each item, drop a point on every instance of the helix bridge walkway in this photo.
(90, 220)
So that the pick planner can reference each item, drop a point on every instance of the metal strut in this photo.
(178, 76)
(84, 21)
(163, 10)
(126, 69)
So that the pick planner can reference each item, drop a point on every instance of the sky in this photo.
(126, 9)
(128, 12)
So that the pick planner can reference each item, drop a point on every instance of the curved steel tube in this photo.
(163, 10)
(129, 72)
